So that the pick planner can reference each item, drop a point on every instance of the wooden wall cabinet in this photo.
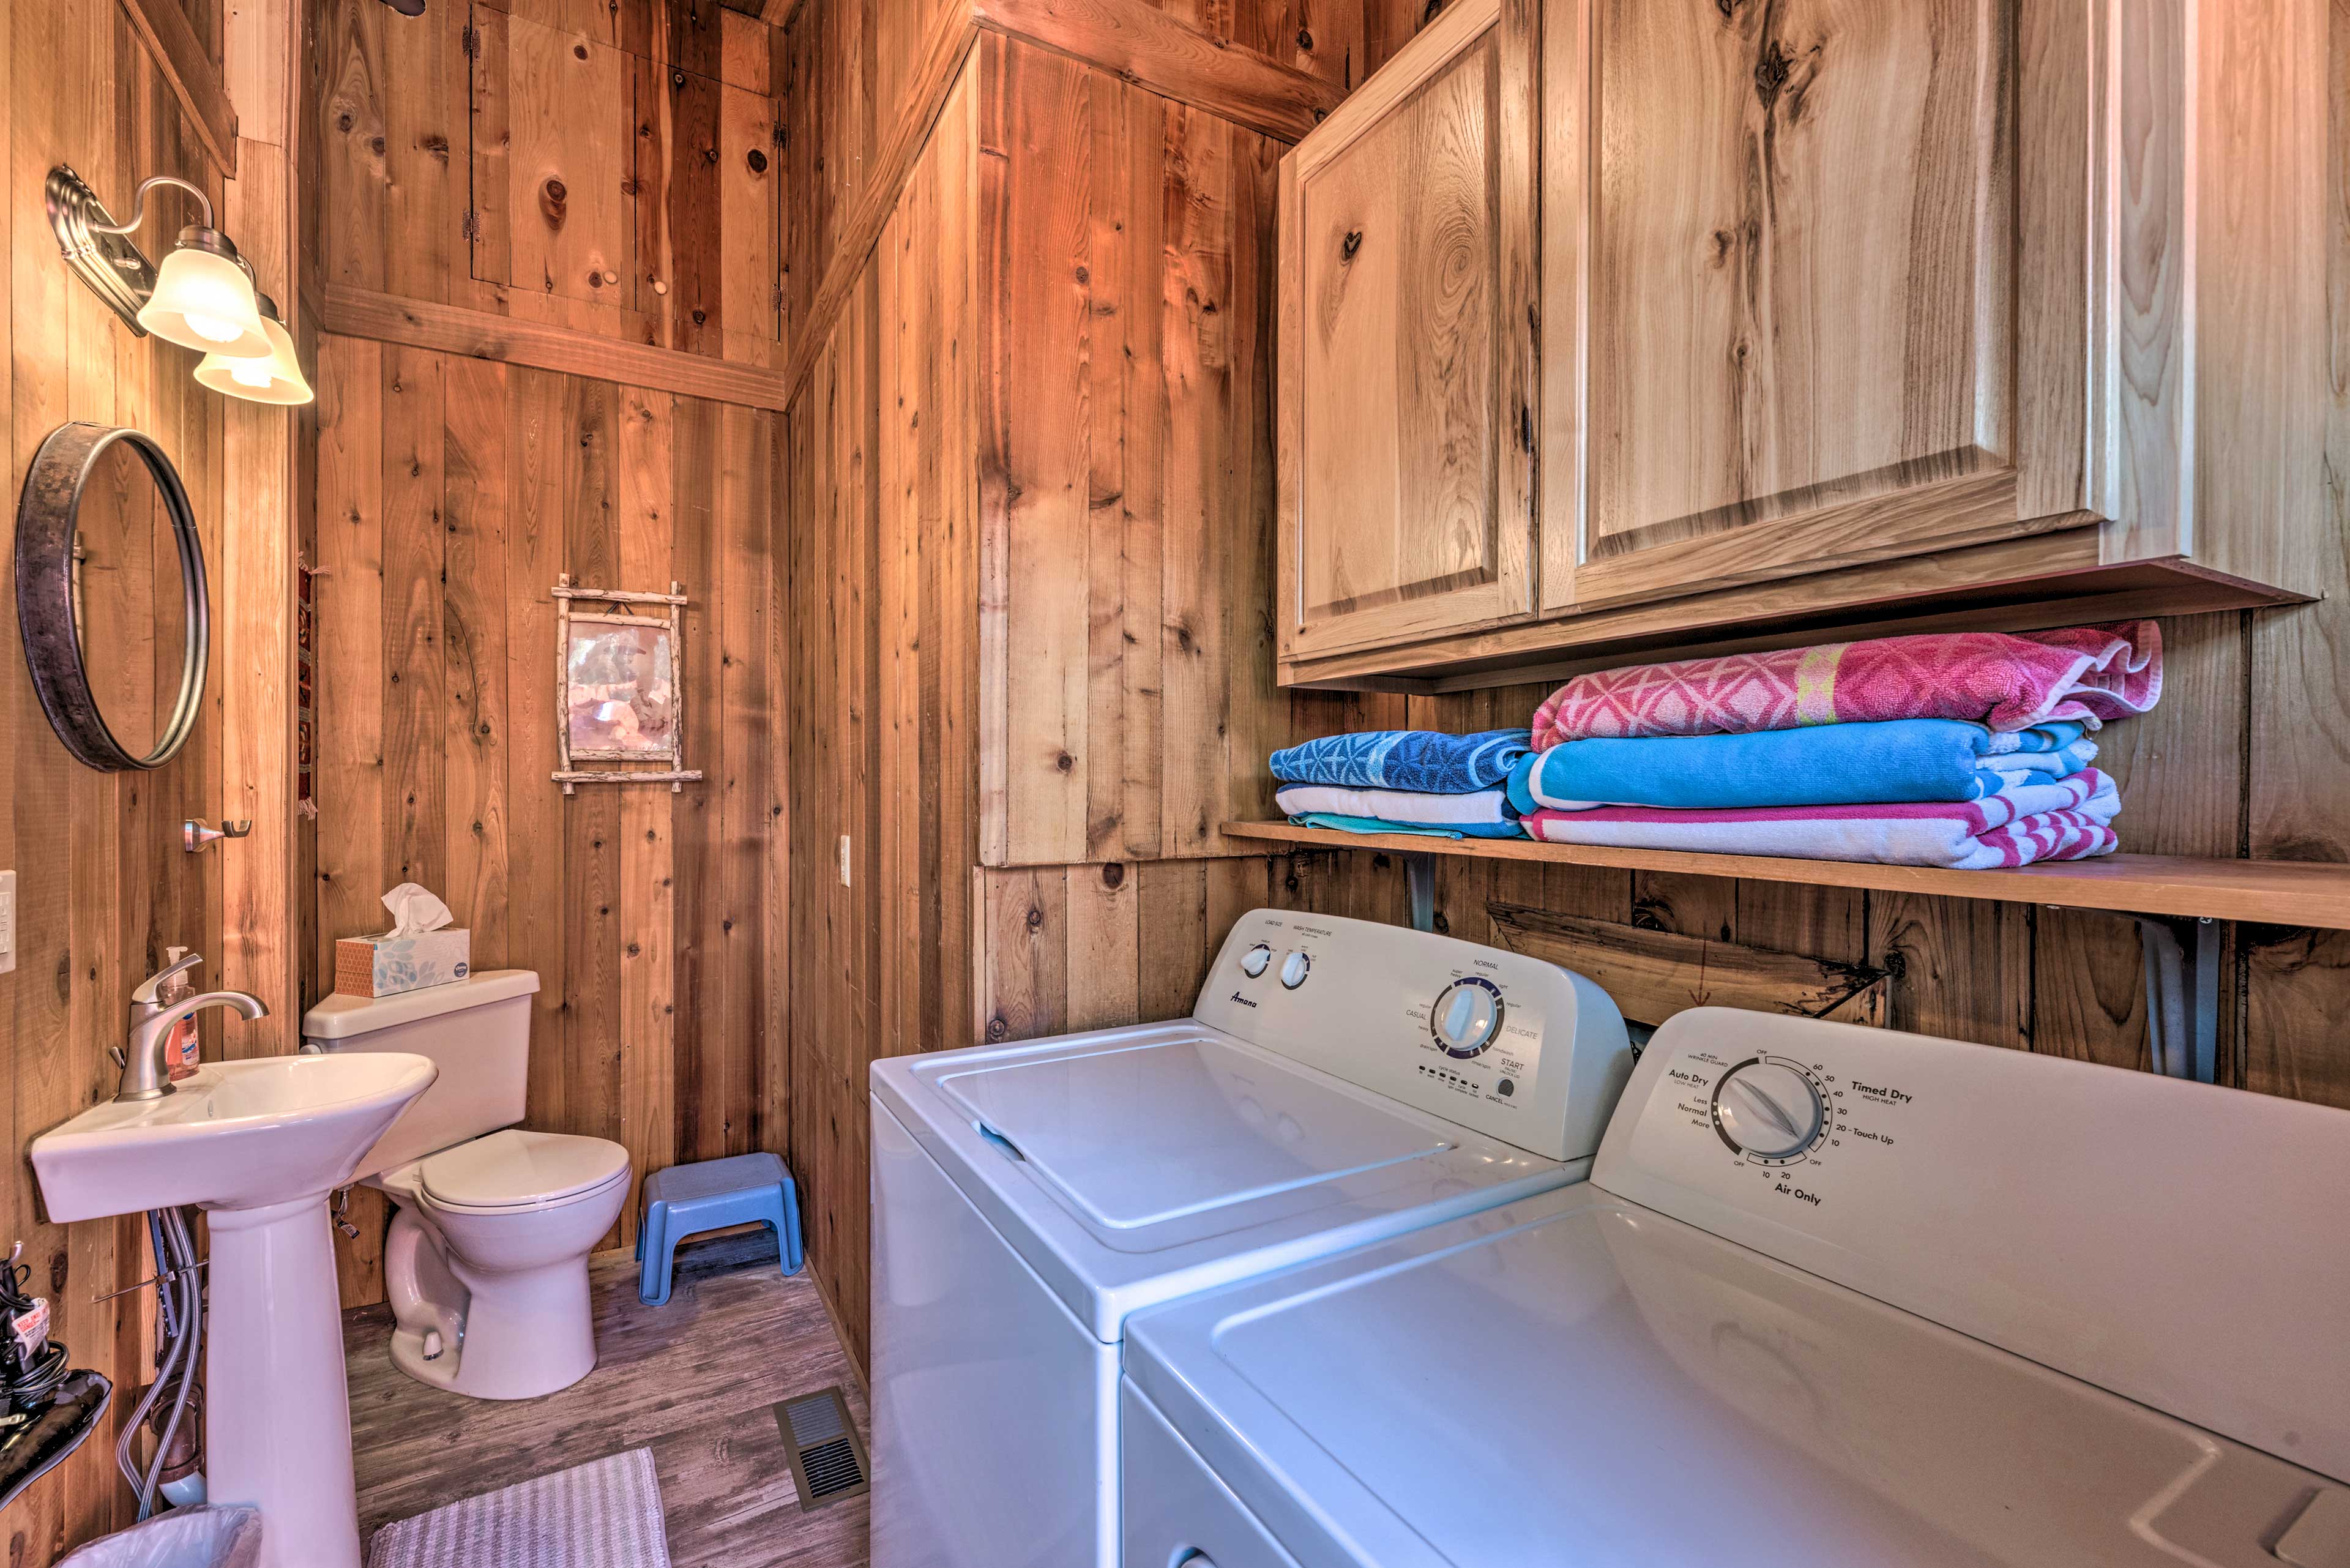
(1849, 313)
(1407, 345)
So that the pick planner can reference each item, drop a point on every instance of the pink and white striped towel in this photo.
(2087, 674)
(2065, 820)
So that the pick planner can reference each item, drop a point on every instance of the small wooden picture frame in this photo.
(620, 686)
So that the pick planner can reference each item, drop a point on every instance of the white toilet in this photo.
(486, 1263)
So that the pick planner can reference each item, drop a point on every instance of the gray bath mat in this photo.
(607, 1514)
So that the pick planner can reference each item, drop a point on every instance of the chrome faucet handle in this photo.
(151, 990)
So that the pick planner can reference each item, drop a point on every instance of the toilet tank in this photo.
(476, 1031)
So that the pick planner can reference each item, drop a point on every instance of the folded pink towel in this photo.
(2069, 819)
(2010, 683)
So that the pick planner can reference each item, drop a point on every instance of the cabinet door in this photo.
(1818, 284)
(1407, 344)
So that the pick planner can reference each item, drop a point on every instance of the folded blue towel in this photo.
(1420, 760)
(1373, 825)
(1897, 761)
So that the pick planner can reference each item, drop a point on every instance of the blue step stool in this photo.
(709, 1195)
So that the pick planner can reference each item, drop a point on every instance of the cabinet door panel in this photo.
(1407, 346)
(1797, 338)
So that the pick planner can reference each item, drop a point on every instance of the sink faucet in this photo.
(145, 1075)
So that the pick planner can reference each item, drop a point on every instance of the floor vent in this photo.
(827, 1462)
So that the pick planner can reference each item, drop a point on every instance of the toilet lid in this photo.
(520, 1169)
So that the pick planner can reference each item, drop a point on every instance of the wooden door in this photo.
(1407, 345)
(1817, 285)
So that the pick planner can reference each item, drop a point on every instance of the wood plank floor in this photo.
(695, 1381)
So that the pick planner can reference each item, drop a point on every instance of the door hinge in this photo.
(471, 225)
(1526, 429)
(470, 40)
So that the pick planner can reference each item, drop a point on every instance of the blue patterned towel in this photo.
(1897, 761)
(1418, 759)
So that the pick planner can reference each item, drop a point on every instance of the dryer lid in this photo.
(1574, 1380)
(520, 1169)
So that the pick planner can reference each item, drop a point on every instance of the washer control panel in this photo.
(1508, 1044)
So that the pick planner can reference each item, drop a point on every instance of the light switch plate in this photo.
(7, 921)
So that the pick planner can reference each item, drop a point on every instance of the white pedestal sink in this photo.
(258, 1145)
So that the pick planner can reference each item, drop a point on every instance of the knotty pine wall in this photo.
(453, 493)
(102, 884)
(1029, 499)
(610, 166)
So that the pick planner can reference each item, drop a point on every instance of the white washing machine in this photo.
(1833, 1298)
(1338, 1082)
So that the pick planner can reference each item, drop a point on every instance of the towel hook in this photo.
(195, 838)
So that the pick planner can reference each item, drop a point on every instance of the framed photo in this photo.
(621, 686)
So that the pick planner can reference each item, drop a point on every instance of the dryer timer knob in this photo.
(1768, 1109)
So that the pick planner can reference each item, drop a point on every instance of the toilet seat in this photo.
(517, 1170)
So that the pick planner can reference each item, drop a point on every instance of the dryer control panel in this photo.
(1512, 1046)
(2088, 1218)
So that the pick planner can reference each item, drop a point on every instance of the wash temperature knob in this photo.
(1768, 1108)
(1292, 970)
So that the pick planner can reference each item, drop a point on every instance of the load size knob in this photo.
(1768, 1108)
(1466, 1017)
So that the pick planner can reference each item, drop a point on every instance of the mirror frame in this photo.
(45, 520)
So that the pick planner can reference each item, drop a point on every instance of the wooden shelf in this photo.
(2274, 892)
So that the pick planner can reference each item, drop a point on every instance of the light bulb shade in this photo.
(203, 301)
(276, 380)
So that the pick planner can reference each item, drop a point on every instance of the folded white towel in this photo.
(1484, 808)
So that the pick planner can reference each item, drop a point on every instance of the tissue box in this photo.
(388, 965)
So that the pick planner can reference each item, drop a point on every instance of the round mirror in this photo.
(110, 596)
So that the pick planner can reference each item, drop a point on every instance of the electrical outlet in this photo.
(844, 860)
(7, 921)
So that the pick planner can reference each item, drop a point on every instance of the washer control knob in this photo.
(1253, 962)
(1294, 969)
(1766, 1108)
(1466, 1017)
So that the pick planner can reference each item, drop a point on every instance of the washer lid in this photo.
(1131, 1166)
(1167, 1130)
(1574, 1379)
(520, 1169)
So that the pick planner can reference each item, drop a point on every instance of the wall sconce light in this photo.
(202, 297)
(276, 378)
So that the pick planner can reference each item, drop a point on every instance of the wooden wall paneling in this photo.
(270, 493)
(543, 448)
(1126, 476)
(570, 165)
(190, 61)
(1173, 58)
(2297, 739)
(351, 775)
(396, 136)
(647, 931)
(592, 885)
(1653, 974)
(477, 502)
(703, 975)
(749, 820)
(750, 209)
(674, 192)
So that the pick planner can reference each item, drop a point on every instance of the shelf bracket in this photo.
(2182, 994)
(1419, 880)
